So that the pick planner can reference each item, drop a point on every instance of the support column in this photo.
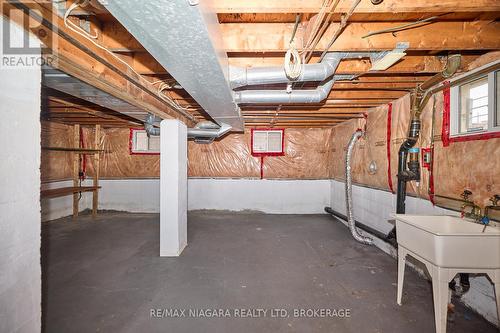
(173, 188)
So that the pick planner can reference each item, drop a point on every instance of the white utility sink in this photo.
(447, 246)
(448, 241)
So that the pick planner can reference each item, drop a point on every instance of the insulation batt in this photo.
(56, 165)
(311, 153)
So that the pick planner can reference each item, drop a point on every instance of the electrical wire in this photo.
(343, 24)
(319, 27)
(293, 62)
(404, 26)
(322, 30)
(73, 26)
(297, 21)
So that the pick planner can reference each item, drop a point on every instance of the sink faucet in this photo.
(474, 212)
(494, 205)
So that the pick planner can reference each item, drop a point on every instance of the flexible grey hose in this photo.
(348, 191)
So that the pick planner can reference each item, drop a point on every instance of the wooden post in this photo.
(76, 169)
(95, 198)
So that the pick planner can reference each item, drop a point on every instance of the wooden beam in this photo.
(76, 170)
(79, 57)
(347, 111)
(299, 118)
(274, 37)
(95, 194)
(389, 6)
(358, 17)
(410, 64)
(145, 64)
(72, 107)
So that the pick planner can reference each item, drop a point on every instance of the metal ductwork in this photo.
(203, 132)
(207, 131)
(311, 72)
(149, 126)
(250, 76)
(57, 80)
(184, 37)
(283, 96)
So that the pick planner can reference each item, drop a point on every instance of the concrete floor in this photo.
(105, 275)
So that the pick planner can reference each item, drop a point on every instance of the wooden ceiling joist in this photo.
(257, 33)
(274, 37)
(81, 58)
(387, 6)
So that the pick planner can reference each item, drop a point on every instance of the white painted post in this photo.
(173, 188)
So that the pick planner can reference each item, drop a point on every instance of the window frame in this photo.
(261, 154)
(131, 144)
(455, 103)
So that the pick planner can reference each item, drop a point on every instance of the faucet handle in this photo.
(494, 199)
(465, 194)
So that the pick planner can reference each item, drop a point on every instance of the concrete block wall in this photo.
(20, 271)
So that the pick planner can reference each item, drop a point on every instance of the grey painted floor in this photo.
(105, 275)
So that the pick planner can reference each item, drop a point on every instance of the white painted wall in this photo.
(20, 271)
(131, 195)
(55, 208)
(268, 196)
(375, 207)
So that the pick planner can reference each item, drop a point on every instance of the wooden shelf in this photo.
(76, 156)
(64, 191)
(74, 150)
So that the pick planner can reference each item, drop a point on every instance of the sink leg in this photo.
(497, 293)
(495, 278)
(401, 272)
(440, 295)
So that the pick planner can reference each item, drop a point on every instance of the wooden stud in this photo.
(95, 194)
(76, 170)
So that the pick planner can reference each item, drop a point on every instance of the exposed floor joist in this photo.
(387, 6)
(256, 33)
(80, 58)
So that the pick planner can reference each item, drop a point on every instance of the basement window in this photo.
(141, 144)
(268, 142)
(475, 105)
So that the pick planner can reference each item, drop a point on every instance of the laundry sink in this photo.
(450, 242)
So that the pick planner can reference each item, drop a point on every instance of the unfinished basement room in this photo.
(225, 166)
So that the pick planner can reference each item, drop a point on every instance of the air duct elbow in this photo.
(452, 65)
(249, 76)
(284, 97)
(204, 132)
(149, 125)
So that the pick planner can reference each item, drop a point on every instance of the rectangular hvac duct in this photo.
(57, 80)
(184, 37)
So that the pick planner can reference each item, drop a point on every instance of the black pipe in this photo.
(360, 225)
(405, 175)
